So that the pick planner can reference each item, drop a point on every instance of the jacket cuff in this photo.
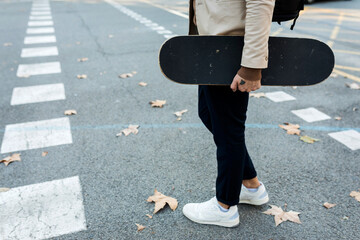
(250, 74)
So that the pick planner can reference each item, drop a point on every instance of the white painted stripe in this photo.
(40, 39)
(40, 30)
(148, 23)
(40, 23)
(279, 96)
(26, 70)
(39, 52)
(41, 5)
(40, 17)
(33, 135)
(349, 138)
(36, 94)
(36, 9)
(40, 13)
(41, 211)
(310, 114)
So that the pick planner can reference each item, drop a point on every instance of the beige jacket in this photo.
(233, 17)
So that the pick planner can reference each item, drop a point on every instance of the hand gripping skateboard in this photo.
(214, 60)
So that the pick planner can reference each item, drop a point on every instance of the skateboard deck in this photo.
(214, 60)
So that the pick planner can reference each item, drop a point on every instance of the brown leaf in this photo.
(149, 216)
(70, 112)
(355, 195)
(4, 189)
(257, 95)
(140, 227)
(143, 84)
(7, 44)
(308, 139)
(337, 118)
(44, 154)
(126, 75)
(131, 129)
(14, 157)
(353, 86)
(282, 216)
(180, 113)
(82, 59)
(157, 103)
(329, 205)
(291, 129)
(82, 76)
(161, 200)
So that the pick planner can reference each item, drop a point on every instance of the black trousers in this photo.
(223, 112)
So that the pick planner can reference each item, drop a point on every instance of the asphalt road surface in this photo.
(94, 185)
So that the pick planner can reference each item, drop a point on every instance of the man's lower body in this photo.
(223, 112)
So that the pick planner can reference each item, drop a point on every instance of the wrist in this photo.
(250, 74)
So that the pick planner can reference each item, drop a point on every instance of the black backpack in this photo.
(286, 10)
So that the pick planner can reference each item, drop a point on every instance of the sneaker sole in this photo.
(222, 224)
(257, 202)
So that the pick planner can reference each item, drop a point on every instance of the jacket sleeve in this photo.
(257, 29)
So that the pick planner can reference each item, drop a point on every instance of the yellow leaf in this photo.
(329, 205)
(70, 112)
(14, 157)
(282, 216)
(140, 227)
(161, 200)
(308, 139)
(291, 129)
(143, 84)
(82, 76)
(158, 103)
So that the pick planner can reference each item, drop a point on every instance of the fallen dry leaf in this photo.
(258, 95)
(70, 112)
(4, 189)
(291, 129)
(161, 200)
(126, 75)
(149, 216)
(337, 118)
(82, 59)
(24, 76)
(308, 139)
(130, 129)
(82, 76)
(334, 75)
(14, 157)
(143, 84)
(180, 113)
(7, 44)
(157, 103)
(44, 154)
(77, 43)
(140, 227)
(355, 195)
(329, 205)
(282, 216)
(353, 85)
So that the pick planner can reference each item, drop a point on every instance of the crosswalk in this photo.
(53, 208)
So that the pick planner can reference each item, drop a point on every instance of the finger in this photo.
(233, 85)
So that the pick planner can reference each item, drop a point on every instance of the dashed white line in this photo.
(40, 30)
(40, 13)
(26, 70)
(279, 96)
(39, 93)
(40, 17)
(39, 52)
(311, 114)
(43, 210)
(40, 23)
(40, 39)
(349, 138)
(39, 9)
(33, 135)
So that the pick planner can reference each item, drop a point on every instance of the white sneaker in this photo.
(209, 213)
(259, 197)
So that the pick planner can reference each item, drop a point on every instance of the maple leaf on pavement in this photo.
(14, 157)
(70, 112)
(355, 195)
(180, 113)
(329, 205)
(81, 76)
(308, 139)
(131, 129)
(143, 84)
(291, 129)
(157, 103)
(161, 200)
(140, 227)
(282, 216)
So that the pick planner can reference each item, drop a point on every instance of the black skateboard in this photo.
(214, 60)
